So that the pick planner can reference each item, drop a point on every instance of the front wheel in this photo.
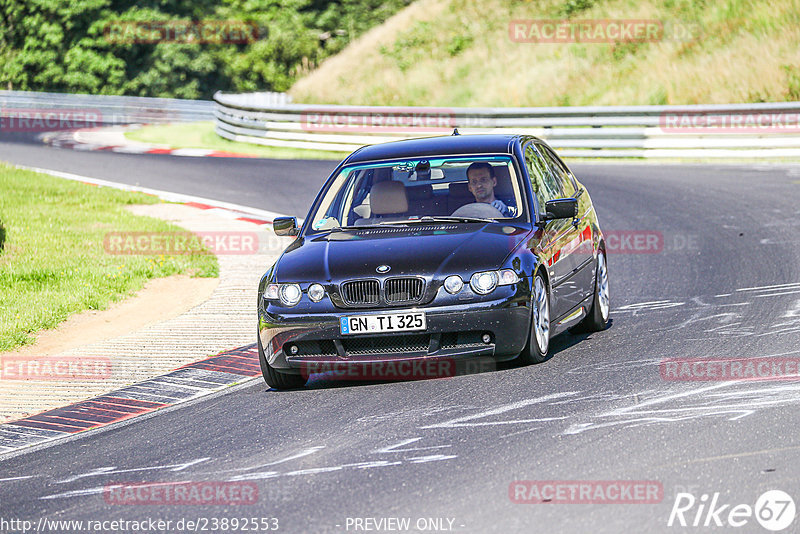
(597, 318)
(536, 349)
(274, 378)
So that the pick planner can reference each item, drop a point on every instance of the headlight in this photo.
(272, 292)
(507, 277)
(483, 283)
(316, 292)
(290, 294)
(453, 284)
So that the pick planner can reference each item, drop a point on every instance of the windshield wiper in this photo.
(456, 218)
(426, 219)
(352, 227)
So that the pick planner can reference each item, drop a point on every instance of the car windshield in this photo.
(465, 189)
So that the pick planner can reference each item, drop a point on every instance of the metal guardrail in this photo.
(697, 131)
(107, 109)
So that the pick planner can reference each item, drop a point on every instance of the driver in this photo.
(482, 181)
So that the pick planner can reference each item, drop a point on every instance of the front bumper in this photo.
(453, 332)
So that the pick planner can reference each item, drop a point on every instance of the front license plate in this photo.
(373, 324)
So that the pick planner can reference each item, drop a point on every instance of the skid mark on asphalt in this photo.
(730, 400)
(112, 470)
(411, 413)
(723, 315)
(470, 420)
(396, 447)
(400, 453)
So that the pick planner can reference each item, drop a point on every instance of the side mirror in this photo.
(285, 226)
(561, 208)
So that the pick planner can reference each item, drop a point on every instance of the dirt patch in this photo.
(160, 299)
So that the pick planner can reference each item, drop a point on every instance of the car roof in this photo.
(433, 146)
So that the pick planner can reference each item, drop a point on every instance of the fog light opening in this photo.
(486, 338)
(293, 349)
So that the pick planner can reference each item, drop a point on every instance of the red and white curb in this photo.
(72, 139)
(223, 209)
(184, 384)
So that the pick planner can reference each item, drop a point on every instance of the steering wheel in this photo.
(478, 209)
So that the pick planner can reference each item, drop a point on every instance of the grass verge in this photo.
(52, 260)
(202, 135)
(468, 53)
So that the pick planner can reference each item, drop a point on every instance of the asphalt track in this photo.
(725, 282)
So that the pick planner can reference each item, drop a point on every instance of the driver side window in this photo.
(544, 185)
(560, 172)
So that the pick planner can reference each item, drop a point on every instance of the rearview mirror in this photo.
(285, 226)
(561, 208)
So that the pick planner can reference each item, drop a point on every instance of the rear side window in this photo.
(543, 183)
(560, 172)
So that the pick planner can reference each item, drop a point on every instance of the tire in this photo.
(538, 345)
(274, 378)
(597, 318)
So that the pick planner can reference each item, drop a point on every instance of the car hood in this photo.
(449, 248)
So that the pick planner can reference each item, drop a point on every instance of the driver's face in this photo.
(481, 185)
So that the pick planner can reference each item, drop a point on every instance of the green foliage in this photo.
(571, 7)
(621, 50)
(792, 81)
(412, 45)
(459, 43)
(54, 45)
(658, 97)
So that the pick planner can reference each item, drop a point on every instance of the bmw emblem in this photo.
(383, 269)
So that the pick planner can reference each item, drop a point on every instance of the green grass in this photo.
(460, 53)
(202, 135)
(52, 260)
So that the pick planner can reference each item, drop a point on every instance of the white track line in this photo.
(164, 195)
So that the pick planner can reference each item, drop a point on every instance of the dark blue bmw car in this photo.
(421, 250)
